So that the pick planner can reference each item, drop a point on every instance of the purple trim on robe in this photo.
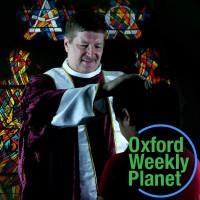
(45, 162)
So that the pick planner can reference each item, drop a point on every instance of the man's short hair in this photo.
(158, 104)
(84, 20)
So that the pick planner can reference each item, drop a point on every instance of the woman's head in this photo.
(147, 105)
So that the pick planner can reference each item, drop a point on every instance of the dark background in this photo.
(174, 27)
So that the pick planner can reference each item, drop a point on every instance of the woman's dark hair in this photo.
(148, 105)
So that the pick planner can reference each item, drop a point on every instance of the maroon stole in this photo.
(100, 130)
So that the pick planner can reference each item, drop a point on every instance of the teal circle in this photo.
(195, 160)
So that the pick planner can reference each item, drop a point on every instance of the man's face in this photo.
(85, 51)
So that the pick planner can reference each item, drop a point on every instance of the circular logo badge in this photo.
(163, 149)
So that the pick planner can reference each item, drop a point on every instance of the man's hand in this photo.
(110, 87)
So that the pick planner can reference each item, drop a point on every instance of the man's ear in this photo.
(66, 44)
(126, 116)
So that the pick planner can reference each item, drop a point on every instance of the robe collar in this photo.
(78, 74)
